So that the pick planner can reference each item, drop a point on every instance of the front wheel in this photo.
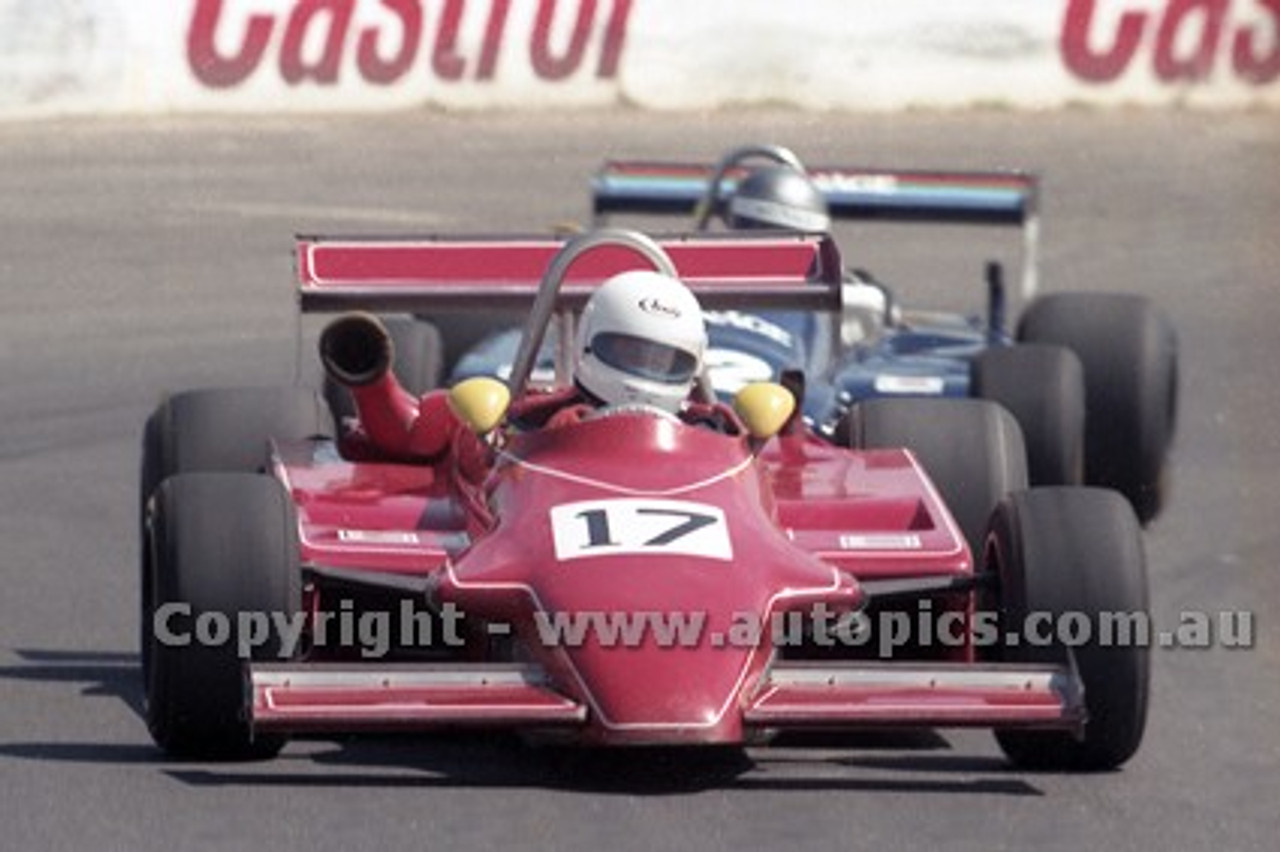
(1072, 585)
(224, 551)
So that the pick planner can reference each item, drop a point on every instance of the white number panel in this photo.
(640, 525)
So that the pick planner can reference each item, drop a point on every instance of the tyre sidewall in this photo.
(1077, 554)
(221, 544)
(1129, 352)
(1043, 386)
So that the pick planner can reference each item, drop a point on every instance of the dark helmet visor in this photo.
(644, 358)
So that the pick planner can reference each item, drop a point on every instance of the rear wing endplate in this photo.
(425, 275)
(959, 197)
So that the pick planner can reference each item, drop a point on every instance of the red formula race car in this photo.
(629, 578)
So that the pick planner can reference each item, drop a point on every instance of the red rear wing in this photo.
(801, 272)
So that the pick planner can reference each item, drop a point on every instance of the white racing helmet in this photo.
(640, 341)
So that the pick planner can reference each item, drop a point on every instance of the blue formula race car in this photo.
(1092, 377)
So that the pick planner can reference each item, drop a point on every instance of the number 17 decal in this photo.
(641, 525)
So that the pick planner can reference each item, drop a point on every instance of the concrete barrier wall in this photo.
(154, 56)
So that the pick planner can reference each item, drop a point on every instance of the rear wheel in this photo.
(226, 429)
(1130, 355)
(971, 449)
(1043, 387)
(1071, 559)
(224, 551)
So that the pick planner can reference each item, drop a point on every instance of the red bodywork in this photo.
(632, 517)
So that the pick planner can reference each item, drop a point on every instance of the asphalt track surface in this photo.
(144, 256)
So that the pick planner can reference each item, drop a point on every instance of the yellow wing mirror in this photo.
(765, 407)
(480, 402)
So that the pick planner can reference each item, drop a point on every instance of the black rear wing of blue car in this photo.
(1008, 198)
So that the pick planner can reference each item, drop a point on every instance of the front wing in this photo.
(330, 698)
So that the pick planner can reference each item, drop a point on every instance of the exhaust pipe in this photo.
(356, 350)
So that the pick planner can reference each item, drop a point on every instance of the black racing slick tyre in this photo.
(226, 429)
(971, 449)
(1043, 387)
(218, 430)
(224, 549)
(1129, 351)
(417, 362)
(1070, 562)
